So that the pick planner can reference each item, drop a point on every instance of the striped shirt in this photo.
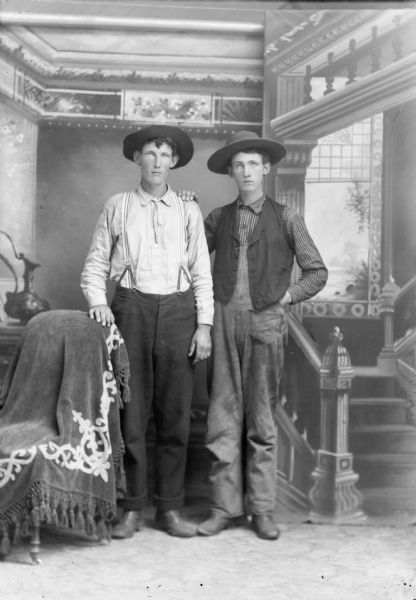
(166, 241)
(313, 271)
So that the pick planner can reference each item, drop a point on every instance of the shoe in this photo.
(130, 522)
(171, 522)
(215, 524)
(265, 527)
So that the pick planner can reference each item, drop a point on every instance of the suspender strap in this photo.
(126, 248)
(184, 241)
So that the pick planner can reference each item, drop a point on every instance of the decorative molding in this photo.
(209, 110)
(345, 309)
(221, 131)
(219, 72)
(318, 32)
(376, 207)
(353, 50)
(100, 21)
(298, 156)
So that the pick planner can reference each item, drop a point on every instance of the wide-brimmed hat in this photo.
(244, 140)
(134, 141)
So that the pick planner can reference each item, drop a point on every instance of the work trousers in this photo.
(157, 330)
(242, 430)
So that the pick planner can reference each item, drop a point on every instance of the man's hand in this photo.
(200, 347)
(102, 314)
(287, 299)
(187, 196)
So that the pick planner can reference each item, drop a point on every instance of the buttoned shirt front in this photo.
(165, 239)
(247, 217)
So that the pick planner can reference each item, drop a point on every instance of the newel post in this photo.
(334, 497)
(386, 302)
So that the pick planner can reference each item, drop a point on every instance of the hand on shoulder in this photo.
(187, 196)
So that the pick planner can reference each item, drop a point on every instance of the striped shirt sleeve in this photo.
(314, 273)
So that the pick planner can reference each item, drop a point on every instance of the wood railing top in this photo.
(407, 286)
(305, 342)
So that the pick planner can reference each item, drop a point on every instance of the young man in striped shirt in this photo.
(255, 241)
(152, 244)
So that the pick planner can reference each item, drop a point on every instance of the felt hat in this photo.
(244, 140)
(135, 141)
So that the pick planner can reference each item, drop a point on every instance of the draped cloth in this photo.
(60, 441)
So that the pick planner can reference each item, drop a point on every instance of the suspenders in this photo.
(126, 248)
(128, 270)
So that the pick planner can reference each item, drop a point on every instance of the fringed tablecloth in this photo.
(60, 441)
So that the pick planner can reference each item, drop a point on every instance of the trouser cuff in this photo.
(169, 503)
(136, 503)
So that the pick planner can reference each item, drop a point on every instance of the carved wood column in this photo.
(334, 497)
(282, 94)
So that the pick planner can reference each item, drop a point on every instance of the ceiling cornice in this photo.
(142, 24)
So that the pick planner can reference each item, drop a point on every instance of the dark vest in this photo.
(269, 256)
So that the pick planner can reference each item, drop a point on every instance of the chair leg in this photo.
(35, 545)
(5, 544)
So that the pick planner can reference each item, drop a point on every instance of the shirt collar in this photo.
(254, 206)
(146, 198)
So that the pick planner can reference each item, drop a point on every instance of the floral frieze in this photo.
(207, 110)
(153, 106)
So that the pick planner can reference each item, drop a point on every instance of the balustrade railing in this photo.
(404, 319)
(359, 59)
(299, 390)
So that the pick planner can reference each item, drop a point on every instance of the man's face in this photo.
(248, 171)
(155, 162)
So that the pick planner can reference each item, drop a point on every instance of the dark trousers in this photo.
(157, 330)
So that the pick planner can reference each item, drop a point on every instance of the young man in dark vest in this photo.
(255, 241)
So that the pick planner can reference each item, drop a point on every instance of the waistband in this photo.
(134, 292)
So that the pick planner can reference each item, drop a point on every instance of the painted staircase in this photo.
(383, 443)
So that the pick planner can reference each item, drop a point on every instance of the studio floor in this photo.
(370, 561)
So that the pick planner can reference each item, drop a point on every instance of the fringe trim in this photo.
(119, 472)
(122, 380)
(45, 504)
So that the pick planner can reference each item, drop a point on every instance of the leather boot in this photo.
(129, 523)
(171, 522)
(213, 525)
(265, 527)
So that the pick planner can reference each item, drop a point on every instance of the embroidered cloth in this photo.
(60, 441)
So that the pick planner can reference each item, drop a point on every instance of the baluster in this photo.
(352, 62)
(375, 51)
(307, 86)
(397, 42)
(329, 78)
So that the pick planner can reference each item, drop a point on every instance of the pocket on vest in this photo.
(268, 324)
